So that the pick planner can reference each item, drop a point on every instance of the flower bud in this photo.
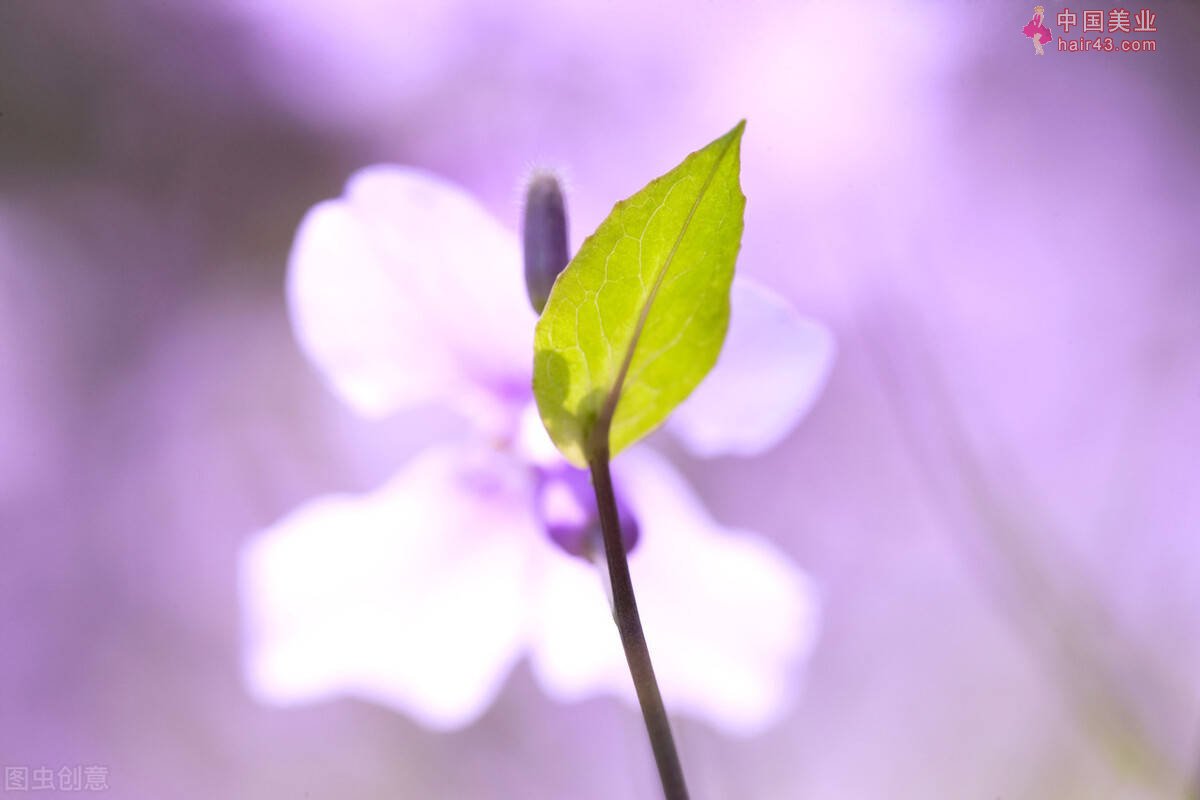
(567, 507)
(545, 237)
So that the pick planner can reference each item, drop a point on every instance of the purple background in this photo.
(997, 495)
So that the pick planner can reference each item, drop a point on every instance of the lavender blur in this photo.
(148, 384)
(544, 237)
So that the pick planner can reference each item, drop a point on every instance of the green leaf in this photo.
(637, 319)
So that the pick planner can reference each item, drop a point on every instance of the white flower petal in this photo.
(728, 619)
(413, 596)
(772, 368)
(407, 291)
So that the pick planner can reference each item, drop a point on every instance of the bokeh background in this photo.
(997, 495)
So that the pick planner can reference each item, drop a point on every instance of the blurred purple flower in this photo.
(424, 593)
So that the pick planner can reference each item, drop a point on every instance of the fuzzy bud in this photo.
(545, 237)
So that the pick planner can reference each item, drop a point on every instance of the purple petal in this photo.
(413, 596)
(566, 505)
(728, 618)
(771, 371)
(406, 291)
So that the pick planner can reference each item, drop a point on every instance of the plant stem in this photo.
(625, 614)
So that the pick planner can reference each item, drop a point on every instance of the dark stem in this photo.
(625, 614)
